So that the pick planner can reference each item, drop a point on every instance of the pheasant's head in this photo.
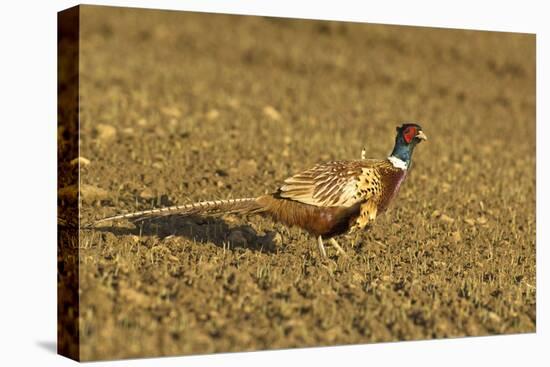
(408, 136)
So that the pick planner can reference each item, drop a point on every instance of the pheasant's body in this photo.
(336, 197)
(318, 221)
(327, 200)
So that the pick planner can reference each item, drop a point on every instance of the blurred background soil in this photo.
(178, 107)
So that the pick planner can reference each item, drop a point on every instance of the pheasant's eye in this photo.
(409, 134)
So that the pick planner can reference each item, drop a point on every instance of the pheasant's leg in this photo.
(337, 246)
(355, 240)
(321, 246)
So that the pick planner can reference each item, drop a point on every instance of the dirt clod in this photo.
(446, 219)
(80, 161)
(105, 133)
(272, 113)
(90, 193)
(147, 194)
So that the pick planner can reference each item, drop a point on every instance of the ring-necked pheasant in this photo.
(327, 200)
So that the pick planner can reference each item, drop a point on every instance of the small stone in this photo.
(456, 237)
(277, 239)
(91, 193)
(212, 115)
(470, 221)
(446, 219)
(233, 103)
(272, 113)
(128, 131)
(237, 238)
(482, 220)
(171, 111)
(147, 194)
(174, 258)
(220, 184)
(134, 297)
(245, 168)
(493, 316)
(80, 161)
(105, 132)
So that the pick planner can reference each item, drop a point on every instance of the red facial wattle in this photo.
(409, 134)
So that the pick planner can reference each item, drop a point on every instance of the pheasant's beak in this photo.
(421, 136)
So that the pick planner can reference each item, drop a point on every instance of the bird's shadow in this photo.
(204, 230)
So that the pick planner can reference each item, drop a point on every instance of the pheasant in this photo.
(327, 200)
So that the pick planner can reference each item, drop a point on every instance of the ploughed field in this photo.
(182, 107)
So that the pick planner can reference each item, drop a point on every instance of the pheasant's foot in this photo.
(355, 240)
(321, 247)
(338, 248)
(329, 265)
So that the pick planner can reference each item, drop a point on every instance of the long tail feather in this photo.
(245, 205)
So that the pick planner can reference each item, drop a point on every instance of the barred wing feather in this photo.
(329, 184)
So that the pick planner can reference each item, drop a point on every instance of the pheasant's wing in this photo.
(337, 183)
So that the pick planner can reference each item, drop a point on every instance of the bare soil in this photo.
(179, 107)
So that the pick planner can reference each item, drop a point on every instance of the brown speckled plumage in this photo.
(336, 196)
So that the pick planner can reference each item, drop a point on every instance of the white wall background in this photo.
(28, 181)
